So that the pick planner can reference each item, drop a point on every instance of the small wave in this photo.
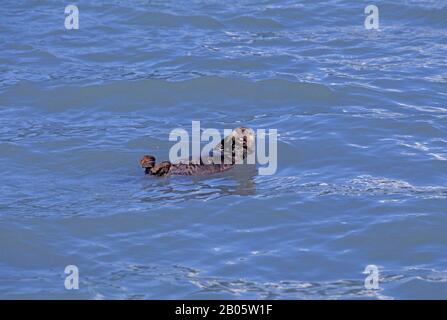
(248, 22)
(360, 186)
(161, 19)
(116, 284)
(161, 92)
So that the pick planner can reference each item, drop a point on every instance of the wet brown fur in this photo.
(166, 168)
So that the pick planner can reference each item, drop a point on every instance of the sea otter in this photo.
(232, 150)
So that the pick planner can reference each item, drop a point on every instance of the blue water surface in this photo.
(362, 149)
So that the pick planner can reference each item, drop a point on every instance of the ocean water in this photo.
(362, 149)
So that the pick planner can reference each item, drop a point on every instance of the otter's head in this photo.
(240, 141)
(244, 137)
